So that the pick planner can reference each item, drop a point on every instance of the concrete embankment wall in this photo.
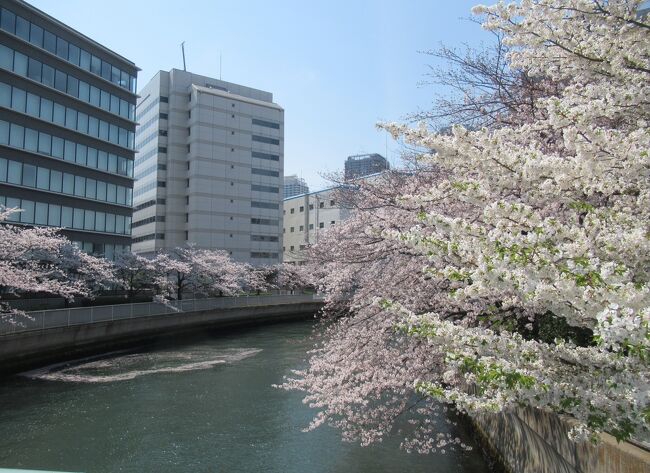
(535, 441)
(29, 349)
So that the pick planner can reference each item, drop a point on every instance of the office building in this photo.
(209, 168)
(294, 185)
(67, 126)
(306, 217)
(362, 165)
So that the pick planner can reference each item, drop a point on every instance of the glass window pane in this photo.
(124, 80)
(111, 192)
(34, 70)
(112, 135)
(4, 133)
(95, 65)
(15, 172)
(5, 95)
(33, 105)
(78, 218)
(40, 215)
(68, 183)
(59, 114)
(57, 147)
(18, 99)
(89, 223)
(62, 48)
(8, 22)
(94, 96)
(44, 143)
(59, 80)
(84, 91)
(115, 104)
(46, 109)
(121, 195)
(48, 75)
(36, 35)
(31, 140)
(101, 190)
(3, 170)
(73, 86)
(110, 223)
(73, 54)
(29, 175)
(84, 60)
(27, 215)
(66, 217)
(105, 100)
(91, 188)
(80, 186)
(54, 216)
(106, 70)
(13, 203)
(71, 118)
(22, 28)
(93, 126)
(56, 180)
(68, 154)
(92, 157)
(119, 224)
(103, 130)
(6, 57)
(112, 163)
(81, 154)
(49, 41)
(102, 158)
(82, 122)
(100, 221)
(115, 75)
(43, 178)
(20, 63)
(17, 136)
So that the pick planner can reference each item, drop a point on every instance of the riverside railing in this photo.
(55, 318)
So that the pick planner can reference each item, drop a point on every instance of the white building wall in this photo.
(210, 169)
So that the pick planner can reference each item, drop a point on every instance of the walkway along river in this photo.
(200, 405)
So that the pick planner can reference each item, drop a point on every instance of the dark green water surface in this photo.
(200, 405)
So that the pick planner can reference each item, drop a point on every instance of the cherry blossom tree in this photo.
(206, 272)
(41, 260)
(135, 273)
(543, 218)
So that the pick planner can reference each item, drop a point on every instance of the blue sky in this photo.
(336, 67)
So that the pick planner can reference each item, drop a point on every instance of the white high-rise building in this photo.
(209, 168)
(294, 185)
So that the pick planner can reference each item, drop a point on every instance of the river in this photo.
(200, 405)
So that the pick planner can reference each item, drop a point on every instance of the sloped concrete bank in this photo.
(25, 350)
(534, 441)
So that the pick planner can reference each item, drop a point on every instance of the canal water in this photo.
(200, 405)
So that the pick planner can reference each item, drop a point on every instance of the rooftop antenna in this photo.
(183, 49)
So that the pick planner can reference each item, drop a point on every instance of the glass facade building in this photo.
(67, 130)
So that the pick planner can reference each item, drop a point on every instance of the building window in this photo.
(302, 228)
(291, 247)
(302, 208)
(331, 203)
(322, 205)
(311, 206)
(332, 222)
(311, 226)
(292, 211)
(321, 225)
(291, 229)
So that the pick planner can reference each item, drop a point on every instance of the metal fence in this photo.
(45, 319)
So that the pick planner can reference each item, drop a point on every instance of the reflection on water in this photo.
(122, 368)
(197, 405)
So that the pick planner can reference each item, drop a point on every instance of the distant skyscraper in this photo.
(364, 164)
(294, 185)
(67, 125)
(209, 168)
